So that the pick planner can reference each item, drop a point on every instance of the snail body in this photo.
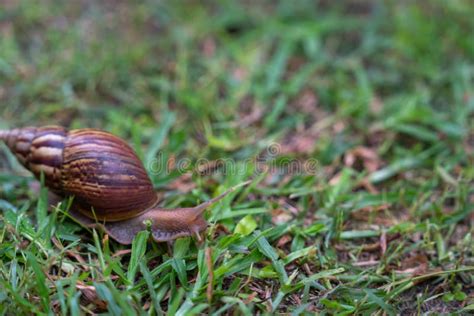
(110, 186)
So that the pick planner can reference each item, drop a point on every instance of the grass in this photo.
(376, 98)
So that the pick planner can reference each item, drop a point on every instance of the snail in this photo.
(110, 186)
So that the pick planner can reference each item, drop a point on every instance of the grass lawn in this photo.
(354, 119)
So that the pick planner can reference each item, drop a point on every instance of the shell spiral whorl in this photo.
(39, 150)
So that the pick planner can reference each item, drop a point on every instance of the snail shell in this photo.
(110, 186)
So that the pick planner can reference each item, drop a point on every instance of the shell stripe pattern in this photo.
(103, 171)
(39, 150)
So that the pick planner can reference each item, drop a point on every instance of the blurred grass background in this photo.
(379, 93)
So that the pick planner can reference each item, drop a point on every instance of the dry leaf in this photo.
(283, 240)
(279, 216)
(367, 156)
(89, 294)
(417, 264)
(183, 184)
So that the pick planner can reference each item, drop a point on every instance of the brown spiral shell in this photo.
(99, 169)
